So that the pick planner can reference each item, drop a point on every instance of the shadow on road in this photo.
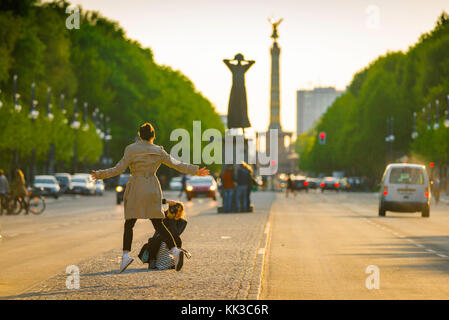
(423, 248)
(88, 290)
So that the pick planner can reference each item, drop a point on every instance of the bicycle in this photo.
(34, 203)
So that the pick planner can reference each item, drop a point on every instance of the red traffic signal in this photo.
(322, 136)
(432, 164)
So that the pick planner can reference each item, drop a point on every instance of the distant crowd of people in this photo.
(237, 183)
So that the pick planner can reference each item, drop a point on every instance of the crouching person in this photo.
(156, 251)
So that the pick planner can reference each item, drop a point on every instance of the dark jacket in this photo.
(176, 227)
(243, 177)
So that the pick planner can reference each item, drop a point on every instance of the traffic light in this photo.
(432, 164)
(322, 137)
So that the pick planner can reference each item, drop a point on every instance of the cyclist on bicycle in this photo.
(4, 187)
(19, 190)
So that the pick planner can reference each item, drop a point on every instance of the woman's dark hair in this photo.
(146, 131)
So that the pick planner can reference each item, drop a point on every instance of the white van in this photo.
(405, 188)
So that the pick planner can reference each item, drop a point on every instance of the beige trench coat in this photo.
(143, 195)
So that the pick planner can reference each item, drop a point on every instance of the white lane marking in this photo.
(442, 255)
(419, 245)
(430, 250)
(225, 237)
(267, 228)
(261, 251)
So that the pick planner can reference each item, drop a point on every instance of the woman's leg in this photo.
(128, 234)
(170, 239)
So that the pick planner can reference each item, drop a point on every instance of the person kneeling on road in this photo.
(155, 251)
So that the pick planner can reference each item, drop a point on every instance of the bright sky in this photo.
(323, 42)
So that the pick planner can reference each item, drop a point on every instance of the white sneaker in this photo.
(126, 261)
(178, 255)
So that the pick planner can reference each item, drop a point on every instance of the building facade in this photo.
(311, 105)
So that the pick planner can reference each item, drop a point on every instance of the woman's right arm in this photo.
(115, 171)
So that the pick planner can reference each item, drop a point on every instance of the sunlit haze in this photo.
(323, 43)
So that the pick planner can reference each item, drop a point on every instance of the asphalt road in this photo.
(325, 246)
(87, 232)
(314, 246)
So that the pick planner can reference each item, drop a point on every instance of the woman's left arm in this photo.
(182, 167)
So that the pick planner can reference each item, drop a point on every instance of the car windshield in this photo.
(62, 179)
(48, 181)
(201, 180)
(406, 176)
(79, 180)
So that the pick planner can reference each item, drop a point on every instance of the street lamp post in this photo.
(107, 138)
(429, 116)
(51, 152)
(414, 133)
(75, 126)
(34, 113)
(446, 122)
(390, 137)
(85, 117)
(17, 108)
(63, 110)
(436, 125)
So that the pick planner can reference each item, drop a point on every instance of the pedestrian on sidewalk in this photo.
(251, 182)
(290, 186)
(436, 187)
(242, 189)
(228, 187)
(183, 186)
(143, 195)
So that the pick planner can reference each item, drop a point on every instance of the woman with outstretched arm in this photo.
(143, 195)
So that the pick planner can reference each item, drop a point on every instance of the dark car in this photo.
(301, 183)
(313, 183)
(330, 183)
(121, 186)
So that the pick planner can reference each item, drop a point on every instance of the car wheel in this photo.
(56, 196)
(382, 211)
(215, 198)
(189, 199)
(118, 201)
(425, 213)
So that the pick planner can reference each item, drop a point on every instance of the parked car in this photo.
(201, 186)
(301, 183)
(99, 187)
(48, 185)
(329, 183)
(121, 187)
(405, 188)
(65, 182)
(314, 183)
(175, 183)
(83, 184)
